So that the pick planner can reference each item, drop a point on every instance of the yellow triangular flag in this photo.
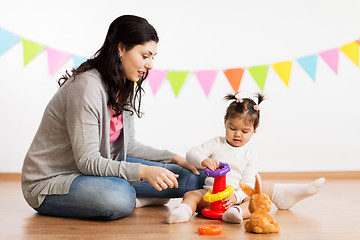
(352, 51)
(283, 69)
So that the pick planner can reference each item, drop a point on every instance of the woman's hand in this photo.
(229, 201)
(160, 178)
(210, 163)
(182, 162)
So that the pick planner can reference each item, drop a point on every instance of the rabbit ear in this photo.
(257, 188)
(248, 190)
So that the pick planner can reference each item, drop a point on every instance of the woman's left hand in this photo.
(182, 162)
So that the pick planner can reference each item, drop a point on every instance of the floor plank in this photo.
(331, 214)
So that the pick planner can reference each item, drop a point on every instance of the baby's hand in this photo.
(229, 201)
(210, 163)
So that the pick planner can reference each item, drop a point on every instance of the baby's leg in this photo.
(186, 209)
(236, 213)
(284, 196)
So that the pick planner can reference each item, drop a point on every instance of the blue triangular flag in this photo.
(78, 60)
(7, 40)
(309, 63)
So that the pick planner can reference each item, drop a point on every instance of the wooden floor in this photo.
(334, 213)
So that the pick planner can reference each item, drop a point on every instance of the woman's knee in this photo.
(112, 210)
(119, 203)
(106, 197)
(190, 181)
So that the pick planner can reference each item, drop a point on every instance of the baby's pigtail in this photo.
(260, 97)
(230, 97)
(235, 96)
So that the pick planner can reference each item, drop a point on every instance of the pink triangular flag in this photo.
(155, 78)
(206, 79)
(56, 58)
(331, 57)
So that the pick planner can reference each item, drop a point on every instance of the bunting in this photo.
(155, 78)
(331, 57)
(78, 60)
(352, 51)
(259, 74)
(234, 77)
(31, 49)
(8, 40)
(177, 79)
(206, 78)
(283, 69)
(56, 59)
(309, 64)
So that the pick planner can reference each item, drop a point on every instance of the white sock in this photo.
(181, 213)
(286, 195)
(233, 214)
(142, 202)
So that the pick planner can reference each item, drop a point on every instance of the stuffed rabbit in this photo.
(259, 206)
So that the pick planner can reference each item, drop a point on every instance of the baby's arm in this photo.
(196, 155)
(182, 162)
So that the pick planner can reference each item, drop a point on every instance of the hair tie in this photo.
(256, 107)
(238, 98)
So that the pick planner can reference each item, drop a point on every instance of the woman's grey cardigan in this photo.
(73, 139)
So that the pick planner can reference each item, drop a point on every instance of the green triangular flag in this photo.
(176, 79)
(259, 74)
(31, 49)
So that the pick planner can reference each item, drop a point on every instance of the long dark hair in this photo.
(130, 31)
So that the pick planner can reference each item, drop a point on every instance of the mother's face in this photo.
(138, 60)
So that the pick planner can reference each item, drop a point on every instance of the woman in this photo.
(84, 161)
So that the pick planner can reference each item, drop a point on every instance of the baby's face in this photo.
(238, 132)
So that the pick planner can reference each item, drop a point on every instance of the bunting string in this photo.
(206, 78)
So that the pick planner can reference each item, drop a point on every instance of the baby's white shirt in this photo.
(242, 161)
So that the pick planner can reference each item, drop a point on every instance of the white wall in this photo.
(309, 126)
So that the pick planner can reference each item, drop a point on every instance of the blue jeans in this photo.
(111, 198)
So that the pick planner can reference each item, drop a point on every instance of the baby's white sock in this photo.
(286, 195)
(181, 213)
(142, 202)
(233, 214)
